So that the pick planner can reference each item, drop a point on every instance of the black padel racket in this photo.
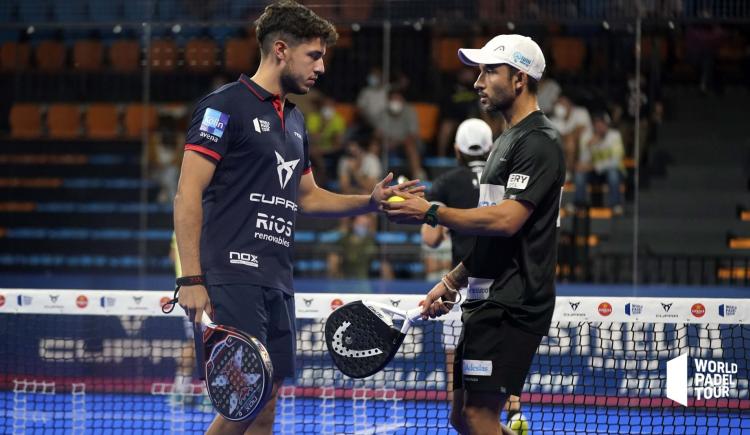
(361, 337)
(239, 373)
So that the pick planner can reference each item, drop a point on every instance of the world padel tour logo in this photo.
(82, 301)
(107, 301)
(711, 379)
(725, 310)
(605, 309)
(24, 300)
(698, 310)
(633, 309)
(336, 303)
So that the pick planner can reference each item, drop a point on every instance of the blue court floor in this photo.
(146, 414)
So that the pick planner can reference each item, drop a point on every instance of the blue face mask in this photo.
(360, 230)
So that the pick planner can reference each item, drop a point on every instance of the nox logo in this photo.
(53, 298)
(273, 223)
(574, 305)
(308, 302)
(666, 307)
(395, 302)
(243, 259)
(285, 169)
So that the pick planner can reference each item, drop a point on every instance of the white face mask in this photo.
(327, 112)
(560, 111)
(395, 106)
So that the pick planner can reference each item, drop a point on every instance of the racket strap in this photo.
(183, 281)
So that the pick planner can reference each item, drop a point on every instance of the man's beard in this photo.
(290, 84)
(498, 105)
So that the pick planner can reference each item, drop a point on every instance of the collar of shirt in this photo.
(263, 94)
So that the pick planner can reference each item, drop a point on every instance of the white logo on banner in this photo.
(711, 379)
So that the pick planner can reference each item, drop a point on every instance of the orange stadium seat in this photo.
(101, 121)
(64, 121)
(50, 56)
(445, 53)
(14, 56)
(163, 55)
(87, 55)
(568, 54)
(25, 121)
(200, 55)
(124, 55)
(347, 111)
(239, 54)
(427, 113)
(138, 117)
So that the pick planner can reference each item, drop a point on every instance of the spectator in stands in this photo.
(398, 127)
(549, 93)
(164, 159)
(458, 104)
(357, 169)
(601, 155)
(325, 129)
(572, 122)
(357, 249)
(373, 98)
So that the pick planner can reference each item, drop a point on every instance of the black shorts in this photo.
(263, 312)
(492, 354)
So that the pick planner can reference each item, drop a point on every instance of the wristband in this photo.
(186, 281)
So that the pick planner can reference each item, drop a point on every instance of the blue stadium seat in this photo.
(70, 11)
(105, 11)
(30, 12)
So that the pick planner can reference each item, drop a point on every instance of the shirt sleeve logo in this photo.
(518, 181)
(285, 169)
(214, 122)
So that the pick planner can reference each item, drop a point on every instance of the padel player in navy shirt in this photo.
(245, 175)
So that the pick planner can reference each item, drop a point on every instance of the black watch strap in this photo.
(431, 217)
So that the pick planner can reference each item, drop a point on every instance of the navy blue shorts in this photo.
(265, 313)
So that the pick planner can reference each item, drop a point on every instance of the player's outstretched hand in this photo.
(382, 191)
(409, 211)
(437, 302)
(194, 300)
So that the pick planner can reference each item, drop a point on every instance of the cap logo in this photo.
(500, 48)
(521, 59)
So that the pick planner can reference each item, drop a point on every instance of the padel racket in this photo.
(361, 337)
(238, 370)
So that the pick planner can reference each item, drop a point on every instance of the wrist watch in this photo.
(431, 217)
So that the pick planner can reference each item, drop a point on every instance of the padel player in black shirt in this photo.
(511, 269)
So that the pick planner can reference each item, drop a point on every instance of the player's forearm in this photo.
(458, 277)
(322, 203)
(483, 221)
(188, 219)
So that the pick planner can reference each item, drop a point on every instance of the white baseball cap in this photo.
(515, 50)
(474, 137)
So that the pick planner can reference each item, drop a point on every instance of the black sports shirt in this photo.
(458, 188)
(249, 207)
(518, 272)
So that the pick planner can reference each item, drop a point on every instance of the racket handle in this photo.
(414, 314)
(206, 320)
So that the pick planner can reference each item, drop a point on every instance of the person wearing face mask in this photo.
(325, 129)
(357, 249)
(572, 122)
(458, 104)
(373, 98)
(398, 126)
(358, 169)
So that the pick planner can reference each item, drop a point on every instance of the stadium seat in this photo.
(87, 55)
(63, 121)
(347, 111)
(124, 55)
(138, 117)
(25, 121)
(163, 55)
(427, 113)
(445, 53)
(50, 56)
(14, 56)
(239, 54)
(200, 55)
(102, 121)
(568, 54)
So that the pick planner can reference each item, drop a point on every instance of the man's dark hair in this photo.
(293, 23)
(533, 83)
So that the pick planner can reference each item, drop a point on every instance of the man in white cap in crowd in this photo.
(510, 271)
